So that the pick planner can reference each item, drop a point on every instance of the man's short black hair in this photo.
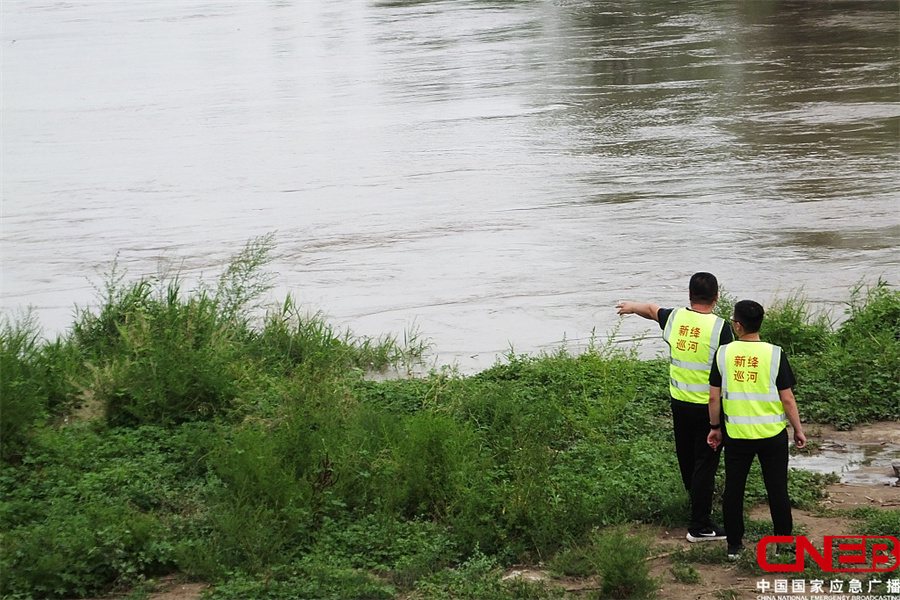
(749, 314)
(703, 288)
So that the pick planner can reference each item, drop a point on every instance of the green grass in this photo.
(686, 574)
(195, 434)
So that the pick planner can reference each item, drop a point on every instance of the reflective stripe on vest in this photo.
(693, 339)
(750, 400)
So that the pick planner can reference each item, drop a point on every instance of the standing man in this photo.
(750, 384)
(693, 335)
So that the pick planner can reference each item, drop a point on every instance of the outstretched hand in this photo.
(625, 308)
(642, 309)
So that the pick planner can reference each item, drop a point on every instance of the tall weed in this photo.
(291, 336)
(872, 311)
(263, 514)
(621, 561)
(21, 384)
(173, 364)
(160, 358)
(791, 324)
(724, 307)
(244, 282)
(38, 380)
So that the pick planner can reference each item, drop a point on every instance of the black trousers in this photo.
(773, 458)
(697, 461)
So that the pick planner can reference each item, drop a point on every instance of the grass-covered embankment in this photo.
(174, 433)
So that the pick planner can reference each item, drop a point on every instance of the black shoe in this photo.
(707, 534)
(734, 552)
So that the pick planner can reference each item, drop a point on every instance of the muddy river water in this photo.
(491, 174)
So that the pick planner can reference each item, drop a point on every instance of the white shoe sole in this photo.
(712, 538)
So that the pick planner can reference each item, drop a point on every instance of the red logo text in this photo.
(840, 553)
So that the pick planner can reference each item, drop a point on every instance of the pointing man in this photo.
(693, 335)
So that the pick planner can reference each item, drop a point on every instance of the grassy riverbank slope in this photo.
(171, 433)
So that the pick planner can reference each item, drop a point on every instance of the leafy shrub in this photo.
(724, 308)
(173, 365)
(621, 561)
(90, 508)
(37, 380)
(405, 551)
(856, 379)
(429, 462)
(159, 358)
(98, 335)
(262, 515)
(791, 324)
(574, 560)
(880, 522)
(873, 311)
(807, 489)
(82, 549)
(685, 574)
(243, 283)
(21, 384)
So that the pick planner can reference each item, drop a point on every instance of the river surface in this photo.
(492, 175)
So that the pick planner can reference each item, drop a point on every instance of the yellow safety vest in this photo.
(750, 400)
(693, 339)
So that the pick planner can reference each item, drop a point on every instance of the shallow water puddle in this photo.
(861, 464)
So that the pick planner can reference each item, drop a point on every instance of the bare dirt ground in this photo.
(716, 580)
